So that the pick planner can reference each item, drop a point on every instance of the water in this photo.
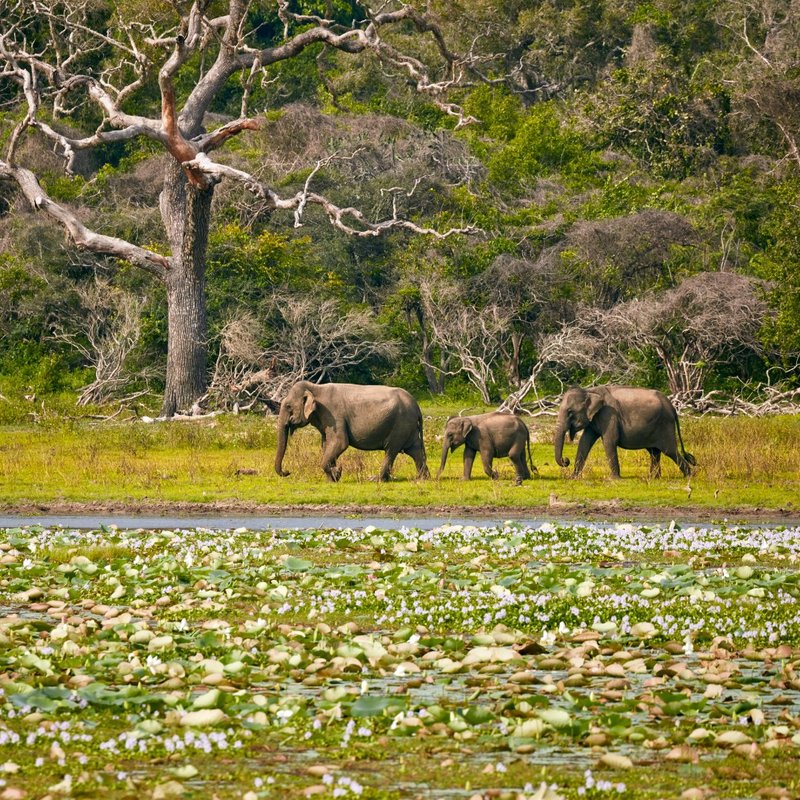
(310, 522)
(133, 521)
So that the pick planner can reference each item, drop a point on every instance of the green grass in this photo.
(744, 463)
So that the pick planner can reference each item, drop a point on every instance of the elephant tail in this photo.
(688, 457)
(534, 471)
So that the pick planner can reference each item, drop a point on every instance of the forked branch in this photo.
(343, 219)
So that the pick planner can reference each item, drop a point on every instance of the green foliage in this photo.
(673, 124)
(244, 269)
(617, 196)
(530, 145)
(594, 112)
(63, 188)
(26, 353)
(498, 113)
(779, 263)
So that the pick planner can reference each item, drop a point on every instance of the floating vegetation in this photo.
(550, 661)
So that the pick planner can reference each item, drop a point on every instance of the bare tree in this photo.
(619, 257)
(66, 65)
(474, 337)
(104, 330)
(528, 290)
(568, 347)
(311, 340)
(707, 320)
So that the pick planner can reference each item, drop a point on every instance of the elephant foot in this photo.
(334, 474)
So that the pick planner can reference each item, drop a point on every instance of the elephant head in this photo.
(296, 409)
(578, 408)
(455, 434)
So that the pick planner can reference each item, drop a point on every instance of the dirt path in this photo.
(606, 511)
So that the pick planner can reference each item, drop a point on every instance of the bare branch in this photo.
(336, 215)
(474, 337)
(104, 331)
(358, 40)
(313, 341)
(82, 237)
(708, 319)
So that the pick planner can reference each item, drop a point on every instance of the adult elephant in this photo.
(348, 415)
(622, 416)
(493, 435)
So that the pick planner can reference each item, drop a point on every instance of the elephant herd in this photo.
(389, 419)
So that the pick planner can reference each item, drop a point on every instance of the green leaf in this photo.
(373, 706)
(294, 564)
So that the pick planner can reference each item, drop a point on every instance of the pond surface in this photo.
(254, 656)
(258, 523)
(128, 521)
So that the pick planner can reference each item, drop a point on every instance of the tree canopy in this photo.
(562, 161)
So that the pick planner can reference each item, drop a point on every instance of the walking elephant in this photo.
(493, 435)
(348, 415)
(622, 416)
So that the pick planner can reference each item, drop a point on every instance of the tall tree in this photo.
(104, 67)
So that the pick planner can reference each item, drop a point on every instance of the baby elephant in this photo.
(494, 435)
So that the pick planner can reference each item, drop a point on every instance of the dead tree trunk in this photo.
(435, 377)
(186, 211)
(512, 360)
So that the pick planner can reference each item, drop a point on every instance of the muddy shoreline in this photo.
(602, 511)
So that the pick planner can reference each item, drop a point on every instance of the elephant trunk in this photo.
(283, 437)
(561, 432)
(445, 448)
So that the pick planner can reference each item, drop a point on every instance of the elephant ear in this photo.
(466, 427)
(594, 403)
(309, 404)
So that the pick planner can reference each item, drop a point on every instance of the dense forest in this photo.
(594, 191)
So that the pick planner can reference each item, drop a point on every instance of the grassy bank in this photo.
(744, 463)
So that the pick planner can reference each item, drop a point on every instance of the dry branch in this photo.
(83, 238)
(104, 331)
(337, 215)
(312, 340)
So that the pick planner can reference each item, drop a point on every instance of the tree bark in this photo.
(434, 378)
(512, 365)
(186, 212)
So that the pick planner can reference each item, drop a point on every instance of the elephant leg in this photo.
(386, 467)
(610, 445)
(333, 449)
(683, 465)
(655, 462)
(417, 452)
(487, 457)
(469, 459)
(521, 468)
(517, 458)
(586, 443)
